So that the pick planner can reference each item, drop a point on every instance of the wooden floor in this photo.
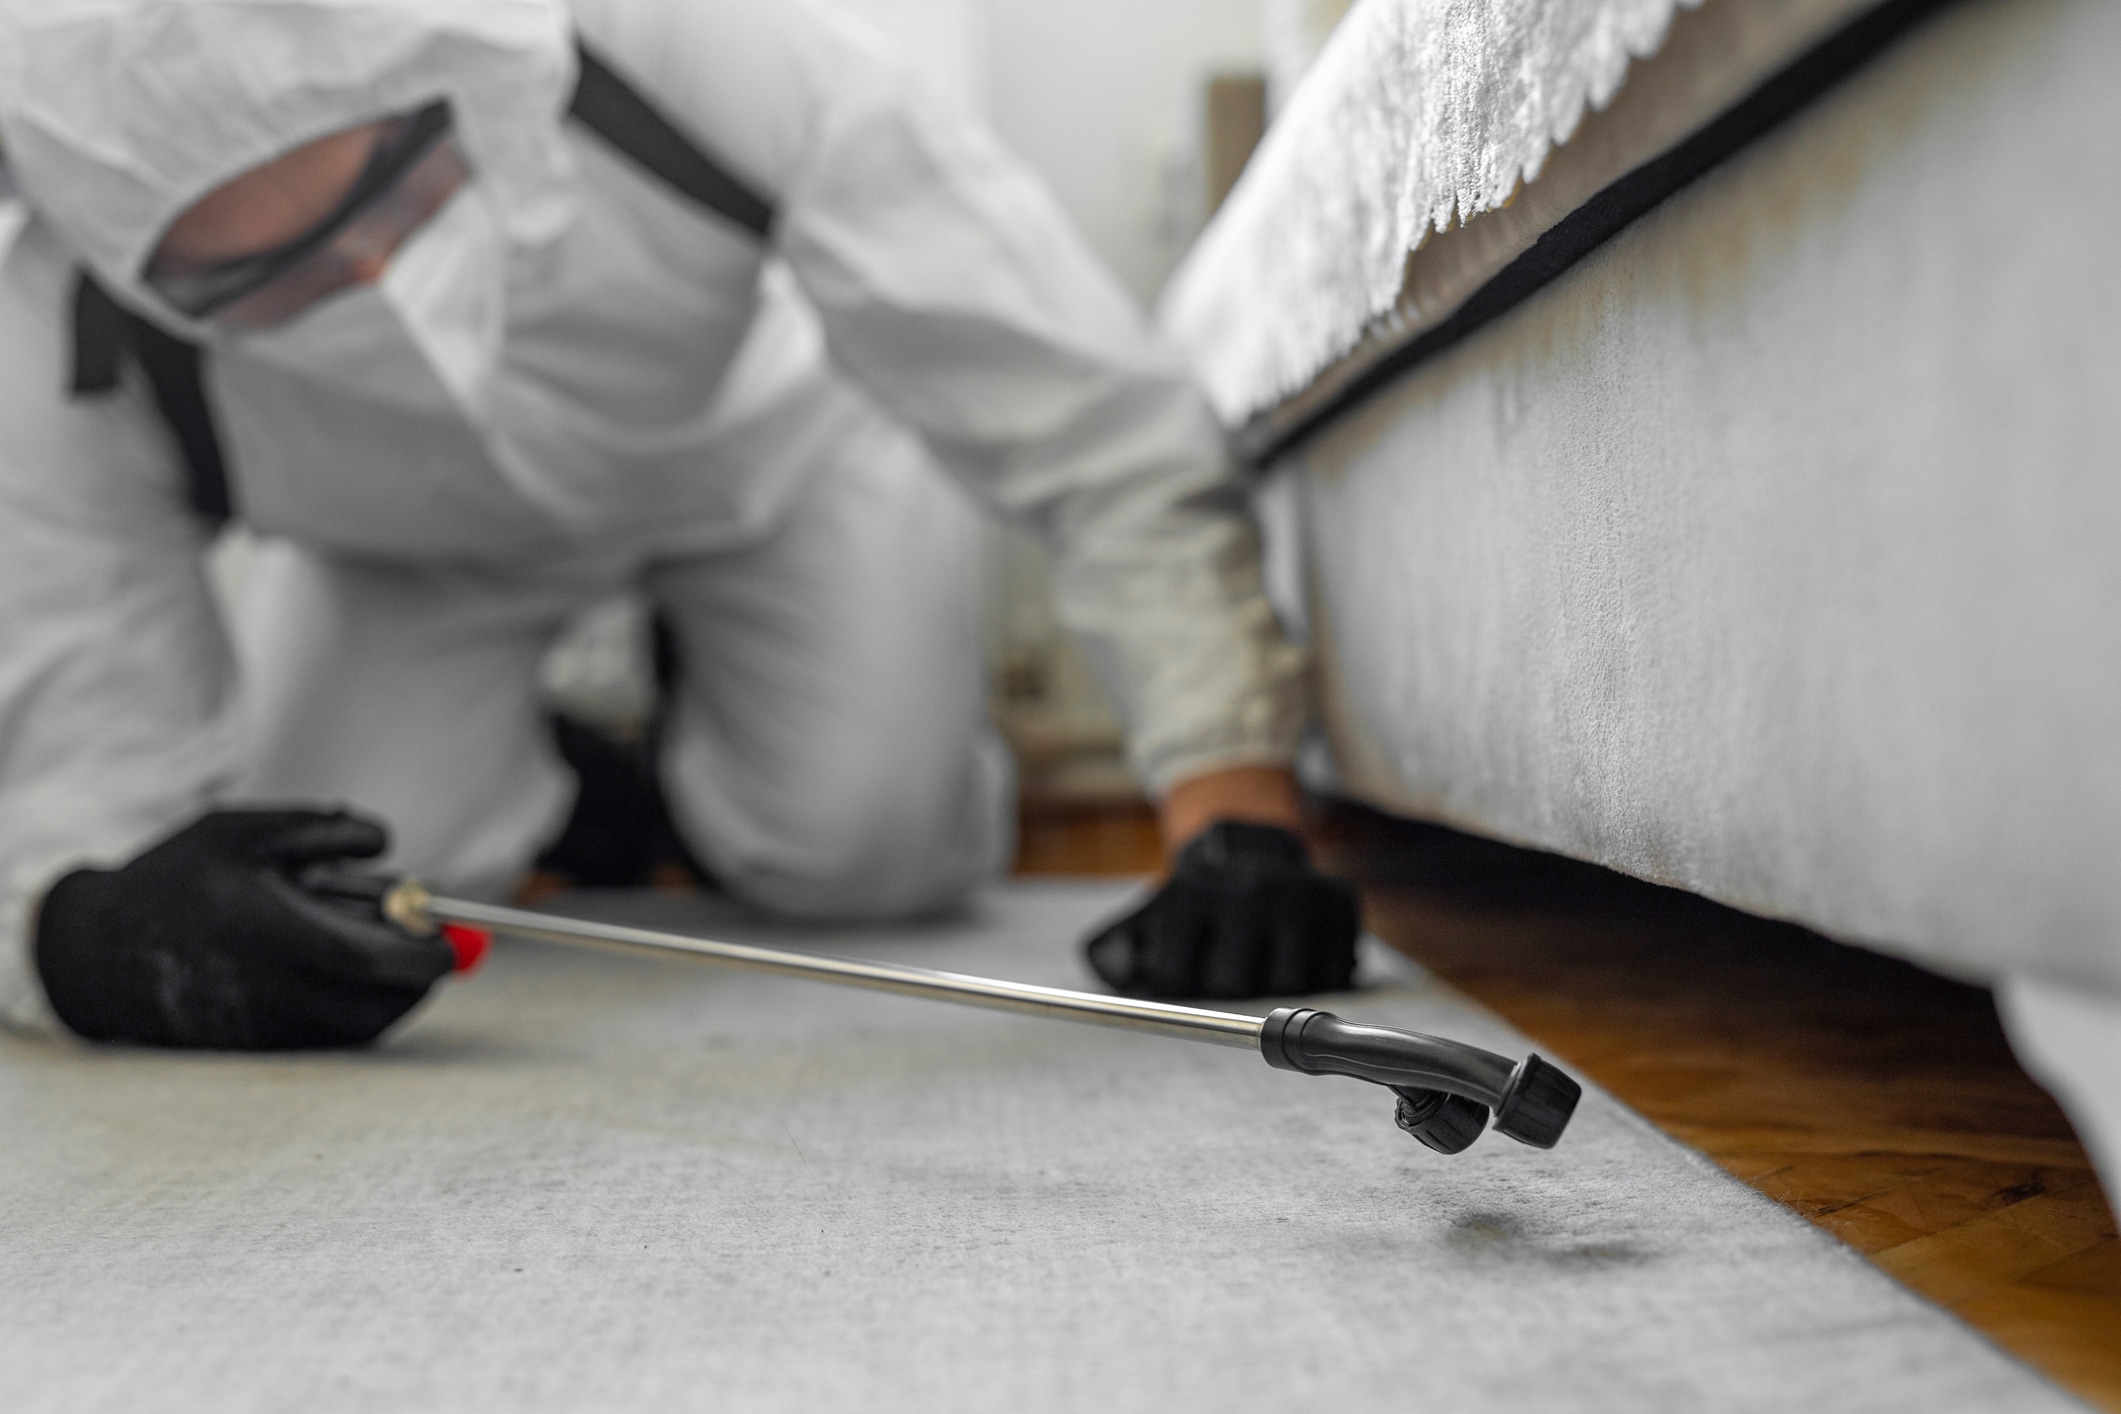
(1879, 1101)
(1088, 839)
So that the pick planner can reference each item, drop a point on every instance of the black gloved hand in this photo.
(1243, 915)
(207, 940)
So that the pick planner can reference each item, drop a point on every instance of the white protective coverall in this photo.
(604, 386)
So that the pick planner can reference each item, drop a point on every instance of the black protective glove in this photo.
(207, 940)
(1243, 915)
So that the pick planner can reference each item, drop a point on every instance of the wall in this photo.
(1103, 98)
(1294, 32)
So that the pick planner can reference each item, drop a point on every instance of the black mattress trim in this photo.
(1262, 442)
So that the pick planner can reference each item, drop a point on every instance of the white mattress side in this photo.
(1769, 551)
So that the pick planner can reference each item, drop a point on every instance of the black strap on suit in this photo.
(106, 334)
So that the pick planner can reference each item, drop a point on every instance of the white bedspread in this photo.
(1428, 118)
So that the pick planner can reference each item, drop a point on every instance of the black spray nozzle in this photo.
(1446, 1089)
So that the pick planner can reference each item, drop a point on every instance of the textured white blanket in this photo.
(1418, 114)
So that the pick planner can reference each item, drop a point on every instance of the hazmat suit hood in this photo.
(116, 115)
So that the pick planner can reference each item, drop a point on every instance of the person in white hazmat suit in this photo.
(467, 365)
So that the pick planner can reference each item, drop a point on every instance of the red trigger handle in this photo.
(468, 943)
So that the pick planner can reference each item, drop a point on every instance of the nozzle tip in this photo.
(1536, 1106)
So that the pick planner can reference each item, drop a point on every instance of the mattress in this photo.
(1765, 548)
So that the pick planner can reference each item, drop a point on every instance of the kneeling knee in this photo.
(846, 873)
(892, 859)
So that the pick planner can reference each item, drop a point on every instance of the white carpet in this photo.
(581, 1181)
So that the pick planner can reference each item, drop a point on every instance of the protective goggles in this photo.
(414, 169)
